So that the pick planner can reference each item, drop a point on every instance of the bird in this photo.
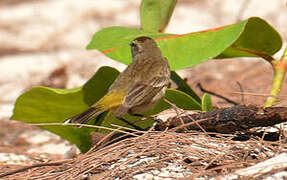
(138, 88)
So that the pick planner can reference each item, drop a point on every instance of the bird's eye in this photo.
(132, 44)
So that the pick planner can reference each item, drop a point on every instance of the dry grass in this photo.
(161, 154)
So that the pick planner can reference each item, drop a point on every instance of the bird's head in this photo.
(144, 45)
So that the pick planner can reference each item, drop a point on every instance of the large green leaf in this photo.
(155, 15)
(251, 37)
(50, 105)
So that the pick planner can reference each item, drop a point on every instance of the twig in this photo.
(131, 124)
(32, 166)
(99, 144)
(176, 110)
(215, 94)
(126, 128)
(187, 124)
(197, 123)
(83, 125)
(101, 141)
(241, 90)
(257, 94)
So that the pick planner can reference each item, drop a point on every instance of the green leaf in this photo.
(183, 86)
(50, 105)
(186, 50)
(117, 45)
(206, 103)
(155, 15)
(182, 100)
(258, 38)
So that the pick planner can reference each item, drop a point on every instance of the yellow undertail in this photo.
(110, 101)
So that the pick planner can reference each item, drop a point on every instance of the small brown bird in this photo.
(138, 88)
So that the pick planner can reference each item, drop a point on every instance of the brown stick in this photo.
(228, 120)
(32, 166)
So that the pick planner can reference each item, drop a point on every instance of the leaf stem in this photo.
(279, 69)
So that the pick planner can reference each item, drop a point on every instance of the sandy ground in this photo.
(39, 37)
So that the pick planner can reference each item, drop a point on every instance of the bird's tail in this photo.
(110, 101)
(85, 116)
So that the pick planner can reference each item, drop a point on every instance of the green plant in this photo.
(253, 37)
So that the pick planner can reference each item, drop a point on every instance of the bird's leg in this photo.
(131, 124)
(137, 115)
(97, 119)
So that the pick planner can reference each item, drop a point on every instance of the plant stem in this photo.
(279, 69)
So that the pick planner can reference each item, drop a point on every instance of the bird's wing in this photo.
(142, 92)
